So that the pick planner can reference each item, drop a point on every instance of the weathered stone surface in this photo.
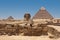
(54, 32)
(42, 14)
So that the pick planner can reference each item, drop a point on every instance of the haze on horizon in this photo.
(17, 8)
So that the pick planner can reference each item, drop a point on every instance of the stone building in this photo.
(44, 16)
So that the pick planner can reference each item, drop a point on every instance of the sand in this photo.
(26, 38)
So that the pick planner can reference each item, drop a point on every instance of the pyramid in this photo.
(42, 14)
(10, 17)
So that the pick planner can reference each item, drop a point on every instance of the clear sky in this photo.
(17, 8)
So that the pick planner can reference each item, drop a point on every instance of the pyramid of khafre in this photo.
(42, 14)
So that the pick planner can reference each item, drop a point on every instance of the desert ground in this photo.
(26, 38)
(30, 37)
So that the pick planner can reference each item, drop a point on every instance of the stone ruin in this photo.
(27, 27)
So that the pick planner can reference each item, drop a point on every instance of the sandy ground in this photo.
(30, 37)
(26, 38)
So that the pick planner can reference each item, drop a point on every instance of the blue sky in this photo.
(17, 8)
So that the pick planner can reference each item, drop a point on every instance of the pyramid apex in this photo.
(42, 8)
